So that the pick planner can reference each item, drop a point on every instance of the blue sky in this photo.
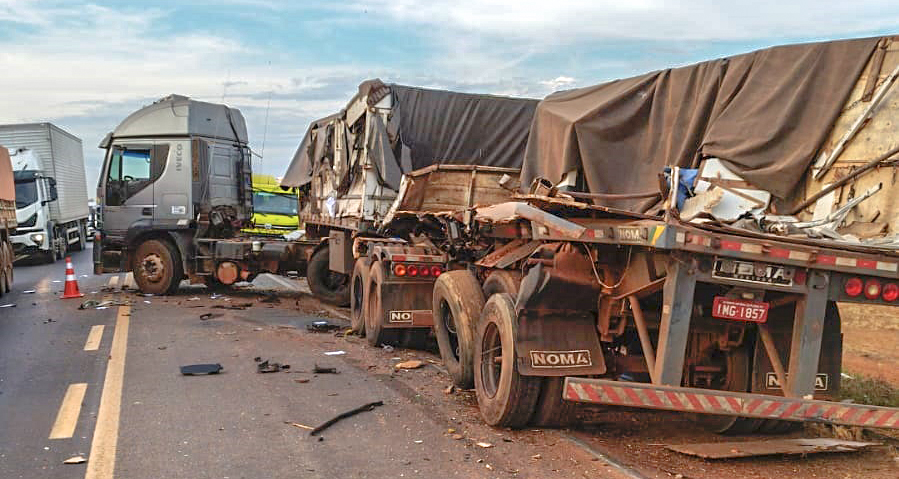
(85, 66)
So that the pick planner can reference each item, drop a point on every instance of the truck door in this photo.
(129, 186)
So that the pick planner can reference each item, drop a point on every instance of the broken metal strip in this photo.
(771, 349)
(708, 401)
(824, 163)
(645, 341)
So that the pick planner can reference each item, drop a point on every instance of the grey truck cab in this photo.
(176, 177)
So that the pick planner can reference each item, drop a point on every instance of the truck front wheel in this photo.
(457, 304)
(505, 397)
(329, 286)
(157, 267)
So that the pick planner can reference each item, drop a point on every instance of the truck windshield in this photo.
(26, 193)
(274, 204)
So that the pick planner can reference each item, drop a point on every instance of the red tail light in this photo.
(412, 270)
(436, 271)
(890, 292)
(424, 271)
(853, 287)
(872, 289)
(399, 269)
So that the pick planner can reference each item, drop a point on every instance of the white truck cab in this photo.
(34, 193)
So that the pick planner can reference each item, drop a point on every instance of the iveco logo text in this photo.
(560, 359)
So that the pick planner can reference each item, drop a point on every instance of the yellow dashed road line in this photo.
(106, 432)
(94, 337)
(67, 417)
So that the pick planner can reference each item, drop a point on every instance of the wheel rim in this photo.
(491, 359)
(153, 268)
(449, 324)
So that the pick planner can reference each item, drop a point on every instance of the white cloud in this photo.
(564, 22)
(559, 83)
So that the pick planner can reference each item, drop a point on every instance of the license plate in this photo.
(740, 309)
(750, 272)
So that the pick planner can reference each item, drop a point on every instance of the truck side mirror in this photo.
(54, 195)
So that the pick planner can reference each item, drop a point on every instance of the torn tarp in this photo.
(424, 127)
(765, 114)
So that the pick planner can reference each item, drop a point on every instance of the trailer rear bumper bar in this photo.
(707, 401)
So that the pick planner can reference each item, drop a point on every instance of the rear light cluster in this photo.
(872, 289)
(417, 270)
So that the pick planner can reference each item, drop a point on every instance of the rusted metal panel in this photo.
(768, 447)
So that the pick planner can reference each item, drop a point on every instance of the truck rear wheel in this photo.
(505, 397)
(157, 267)
(502, 281)
(358, 296)
(375, 332)
(329, 286)
(552, 410)
(457, 304)
(736, 378)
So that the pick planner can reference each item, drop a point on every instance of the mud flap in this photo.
(407, 304)
(553, 343)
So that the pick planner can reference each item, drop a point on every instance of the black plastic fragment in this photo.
(201, 369)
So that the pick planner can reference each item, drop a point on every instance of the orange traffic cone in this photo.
(71, 283)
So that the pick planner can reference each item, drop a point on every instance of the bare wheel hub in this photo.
(153, 268)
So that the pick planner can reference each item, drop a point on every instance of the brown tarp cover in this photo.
(7, 185)
(428, 127)
(765, 113)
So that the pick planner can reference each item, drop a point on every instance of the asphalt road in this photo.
(117, 398)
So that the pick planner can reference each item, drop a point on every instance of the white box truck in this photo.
(51, 191)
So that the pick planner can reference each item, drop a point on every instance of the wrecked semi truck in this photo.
(7, 220)
(681, 242)
(349, 166)
(173, 194)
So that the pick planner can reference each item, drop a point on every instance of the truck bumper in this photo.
(708, 401)
(25, 243)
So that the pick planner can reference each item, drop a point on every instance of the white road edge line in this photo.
(94, 338)
(69, 410)
(106, 433)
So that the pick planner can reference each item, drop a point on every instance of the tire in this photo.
(82, 238)
(375, 332)
(52, 253)
(501, 281)
(505, 397)
(157, 267)
(358, 294)
(325, 284)
(552, 411)
(738, 380)
(457, 305)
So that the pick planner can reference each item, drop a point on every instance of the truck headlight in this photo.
(37, 238)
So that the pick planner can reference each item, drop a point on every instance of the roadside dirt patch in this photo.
(871, 341)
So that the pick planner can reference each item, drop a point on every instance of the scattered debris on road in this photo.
(301, 380)
(75, 460)
(320, 370)
(484, 444)
(352, 412)
(237, 307)
(29, 291)
(411, 364)
(321, 327)
(49, 320)
(335, 353)
(205, 316)
(201, 369)
(9, 305)
(301, 426)
(767, 447)
(267, 367)
(94, 304)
